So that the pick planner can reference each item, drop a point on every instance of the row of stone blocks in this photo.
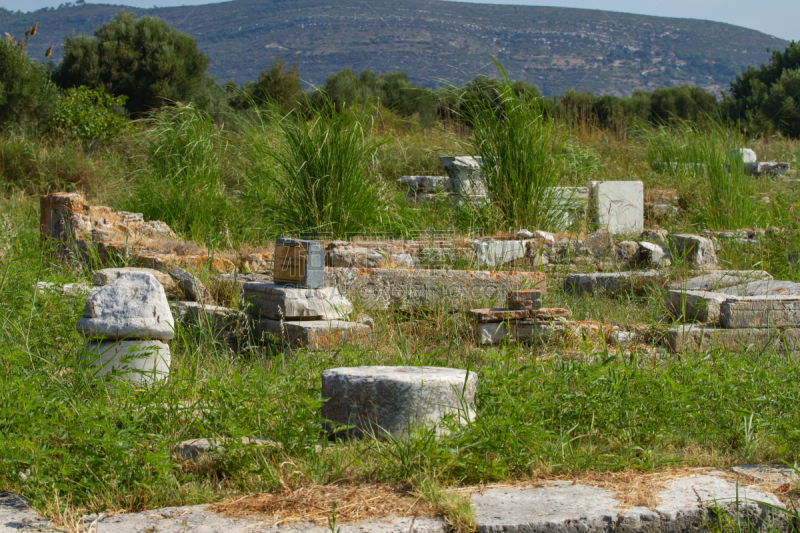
(743, 308)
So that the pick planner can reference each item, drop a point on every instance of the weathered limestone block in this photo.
(652, 255)
(495, 253)
(618, 205)
(134, 306)
(489, 333)
(685, 505)
(498, 315)
(765, 287)
(192, 287)
(720, 279)
(319, 335)
(137, 361)
(218, 317)
(608, 282)
(746, 155)
(281, 302)
(760, 312)
(627, 253)
(697, 250)
(529, 300)
(345, 254)
(701, 306)
(393, 399)
(691, 337)
(407, 288)
(427, 184)
(105, 276)
(465, 175)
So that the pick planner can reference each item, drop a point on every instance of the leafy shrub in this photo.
(147, 60)
(27, 96)
(279, 84)
(89, 115)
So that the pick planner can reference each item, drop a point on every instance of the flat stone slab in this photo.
(700, 306)
(280, 302)
(760, 312)
(720, 279)
(778, 474)
(134, 306)
(105, 276)
(696, 338)
(135, 361)
(606, 281)
(687, 505)
(426, 183)
(499, 315)
(391, 399)
(763, 288)
(315, 334)
(414, 288)
(570, 508)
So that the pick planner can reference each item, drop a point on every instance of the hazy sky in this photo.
(775, 17)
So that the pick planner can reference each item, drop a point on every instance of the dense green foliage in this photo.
(144, 59)
(766, 98)
(279, 84)
(27, 96)
(89, 115)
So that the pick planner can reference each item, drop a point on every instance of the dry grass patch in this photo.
(347, 502)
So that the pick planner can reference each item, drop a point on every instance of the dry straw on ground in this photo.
(315, 503)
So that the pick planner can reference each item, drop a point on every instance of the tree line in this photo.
(133, 65)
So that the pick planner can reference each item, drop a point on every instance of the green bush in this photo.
(145, 59)
(89, 115)
(279, 84)
(27, 96)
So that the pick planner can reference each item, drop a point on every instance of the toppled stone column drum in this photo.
(381, 400)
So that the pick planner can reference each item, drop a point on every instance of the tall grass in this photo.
(320, 178)
(522, 155)
(181, 177)
(701, 155)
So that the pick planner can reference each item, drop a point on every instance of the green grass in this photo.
(561, 408)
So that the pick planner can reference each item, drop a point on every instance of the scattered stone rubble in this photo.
(735, 310)
(127, 323)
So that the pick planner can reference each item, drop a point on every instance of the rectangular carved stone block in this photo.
(760, 312)
(709, 337)
(530, 300)
(299, 263)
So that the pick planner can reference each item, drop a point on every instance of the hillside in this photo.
(437, 42)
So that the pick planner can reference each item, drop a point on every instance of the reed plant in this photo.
(522, 153)
(703, 157)
(321, 179)
(180, 177)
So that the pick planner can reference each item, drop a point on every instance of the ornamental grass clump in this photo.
(522, 153)
(317, 177)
